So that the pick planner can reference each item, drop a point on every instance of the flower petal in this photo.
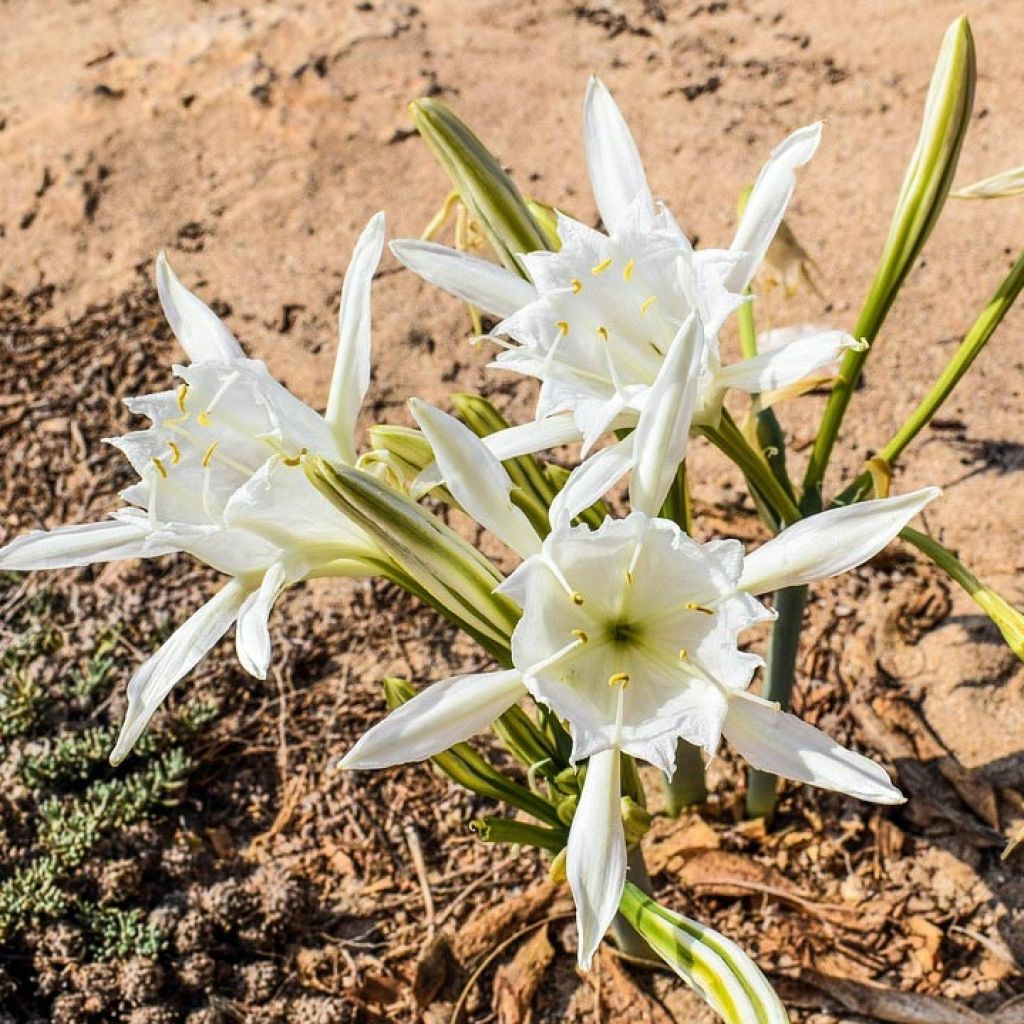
(252, 637)
(437, 718)
(774, 741)
(175, 659)
(591, 479)
(830, 542)
(352, 366)
(785, 365)
(617, 176)
(203, 335)
(768, 201)
(480, 283)
(477, 480)
(535, 436)
(664, 425)
(596, 853)
(84, 544)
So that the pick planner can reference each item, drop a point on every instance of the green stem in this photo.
(730, 440)
(780, 675)
(687, 785)
(974, 341)
(628, 940)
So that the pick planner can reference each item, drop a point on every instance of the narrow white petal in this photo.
(480, 283)
(476, 479)
(178, 656)
(68, 546)
(535, 436)
(830, 542)
(785, 365)
(777, 742)
(437, 718)
(352, 366)
(664, 425)
(252, 637)
(203, 335)
(617, 176)
(596, 853)
(768, 201)
(592, 479)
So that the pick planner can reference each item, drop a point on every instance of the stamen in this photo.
(553, 659)
(294, 461)
(683, 656)
(619, 679)
(692, 606)
(203, 419)
(629, 578)
(601, 267)
(603, 332)
(175, 453)
(580, 635)
(160, 467)
(627, 270)
(563, 327)
(577, 285)
(182, 392)
(563, 582)
(647, 303)
(208, 455)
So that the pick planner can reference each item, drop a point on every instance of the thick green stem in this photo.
(629, 941)
(687, 785)
(780, 674)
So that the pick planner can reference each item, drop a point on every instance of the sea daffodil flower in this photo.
(630, 633)
(220, 479)
(595, 320)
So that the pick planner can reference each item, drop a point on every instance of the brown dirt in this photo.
(252, 143)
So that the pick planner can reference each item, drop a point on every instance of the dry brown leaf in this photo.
(669, 841)
(497, 924)
(890, 1005)
(433, 966)
(516, 982)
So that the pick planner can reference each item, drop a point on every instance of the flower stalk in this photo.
(926, 185)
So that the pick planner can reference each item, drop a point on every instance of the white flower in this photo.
(631, 634)
(597, 318)
(220, 479)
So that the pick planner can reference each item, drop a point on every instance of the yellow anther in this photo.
(563, 327)
(603, 332)
(627, 270)
(175, 453)
(647, 303)
(203, 419)
(692, 606)
(683, 656)
(182, 392)
(601, 267)
(160, 467)
(619, 679)
(580, 635)
(576, 597)
(577, 285)
(296, 460)
(629, 578)
(208, 454)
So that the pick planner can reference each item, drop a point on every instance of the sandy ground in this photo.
(253, 142)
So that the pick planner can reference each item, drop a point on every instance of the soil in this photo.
(252, 143)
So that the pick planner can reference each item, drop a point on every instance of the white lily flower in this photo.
(631, 634)
(596, 320)
(220, 479)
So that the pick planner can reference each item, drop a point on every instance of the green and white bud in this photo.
(488, 193)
